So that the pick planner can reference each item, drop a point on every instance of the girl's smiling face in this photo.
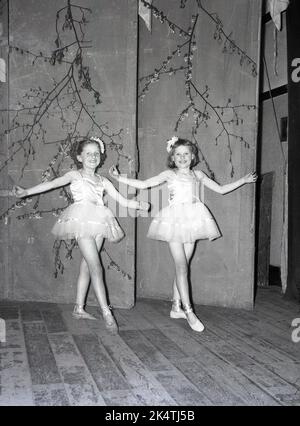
(90, 156)
(182, 157)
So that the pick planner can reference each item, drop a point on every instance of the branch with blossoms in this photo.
(229, 45)
(73, 94)
(66, 96)
(69, 246)
(200, 106)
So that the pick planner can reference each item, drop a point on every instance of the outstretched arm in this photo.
(137, 183)
(43, 187)
(224, 189)
(132, 204)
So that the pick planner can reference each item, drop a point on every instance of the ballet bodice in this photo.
(85, 190)
(183, 188)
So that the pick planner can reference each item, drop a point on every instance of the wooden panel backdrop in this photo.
(110, 35)
(225, 32)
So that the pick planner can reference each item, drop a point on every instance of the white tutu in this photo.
(184, 223)
(87, 220)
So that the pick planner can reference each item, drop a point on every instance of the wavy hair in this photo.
(184, 142)
(77, 149)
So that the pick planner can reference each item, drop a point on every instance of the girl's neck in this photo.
(186, 171)
(88, 172)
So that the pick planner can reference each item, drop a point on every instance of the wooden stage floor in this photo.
(242, 358)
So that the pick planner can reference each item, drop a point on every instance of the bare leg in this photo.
(89, 248)
(82, 289)
(83, 282)
(188, 249)
(176, 311)
(181, 269)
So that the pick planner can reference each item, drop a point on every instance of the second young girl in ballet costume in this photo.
(186, 219)
(88, 221)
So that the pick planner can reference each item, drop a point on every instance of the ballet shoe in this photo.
(177, 314)
(176, 311)
(192, 319)
(109, 320)
(80, 313)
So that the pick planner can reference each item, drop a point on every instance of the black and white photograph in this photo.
(149, 206)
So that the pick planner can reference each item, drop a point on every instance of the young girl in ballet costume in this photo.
(89, 221)
(186, 219)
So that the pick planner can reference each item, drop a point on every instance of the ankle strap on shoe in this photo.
(187, 308)
(76, 306)
(107, 310)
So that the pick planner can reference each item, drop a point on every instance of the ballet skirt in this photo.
(87, 216)
(186, 218)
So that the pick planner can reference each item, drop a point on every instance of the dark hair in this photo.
(77, 149)
(194, 150)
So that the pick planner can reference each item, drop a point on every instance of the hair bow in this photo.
(171, 142)
(100, 142)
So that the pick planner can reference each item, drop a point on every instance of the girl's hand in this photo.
(19, 192)
(143, 205)
(251, 177)
(114, 172)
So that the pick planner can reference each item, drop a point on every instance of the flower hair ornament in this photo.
(100, 142)
(171, 142)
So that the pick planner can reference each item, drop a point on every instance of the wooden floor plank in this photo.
(242, 357)
(166, 346)
(216, 348)
(103, 369)
(50, 395)
(216, 391)
(131, 320)
(79, 384)
(9, 312)
(258, 373)
(42, 365)
(30, 314)
(53, 320)
(150, 356)
(253, 338)
(268, 381)
(270, 359)
(263, 333)
(136, 374)
(75, 326)
(120, 398)
(15, 378)
(182, 390)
